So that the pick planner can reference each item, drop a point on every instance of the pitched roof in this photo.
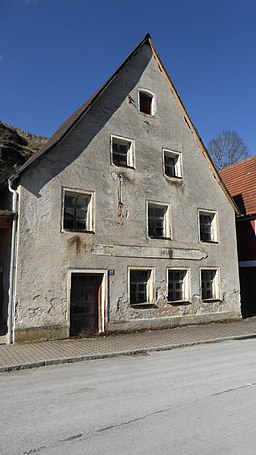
(64, 129)
(240, 180)
(70, 123)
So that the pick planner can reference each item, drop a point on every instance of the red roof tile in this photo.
(240, 180)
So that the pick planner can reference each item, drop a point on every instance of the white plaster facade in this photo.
(47, 254)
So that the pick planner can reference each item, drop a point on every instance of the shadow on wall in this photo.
(5, 241)
(103, 109)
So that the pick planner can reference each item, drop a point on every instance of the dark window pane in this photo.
(176, 285)
(207, 278)
(170, 165)
(120, 153)
(75, 211)
(156, 221)
(145, 103)
(206, 228)
(138, 286)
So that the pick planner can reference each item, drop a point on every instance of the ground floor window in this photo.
(140, 286)
(209, 283)
(178, 289)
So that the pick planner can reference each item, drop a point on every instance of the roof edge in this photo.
(74, 118)
(71, 122)
(193, 128)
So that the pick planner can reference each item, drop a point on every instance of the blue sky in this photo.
(55, 53)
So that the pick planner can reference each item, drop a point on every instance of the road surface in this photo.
(196, 400)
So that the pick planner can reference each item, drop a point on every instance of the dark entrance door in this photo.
(85, 303)
(248, 291)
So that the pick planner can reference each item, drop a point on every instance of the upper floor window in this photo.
(146, 102)
(77, 211)
(158, 220)
(208, 226)
(122, 151)
(172, 164)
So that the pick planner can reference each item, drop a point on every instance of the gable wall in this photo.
(82, 161)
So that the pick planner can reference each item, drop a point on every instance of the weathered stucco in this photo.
(46, 253)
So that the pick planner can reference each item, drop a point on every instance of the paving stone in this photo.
(31, 355)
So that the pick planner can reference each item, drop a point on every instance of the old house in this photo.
(240, 179)
(123, 222)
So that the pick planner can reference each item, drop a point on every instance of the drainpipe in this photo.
(11, 280)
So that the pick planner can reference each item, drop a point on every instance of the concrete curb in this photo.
(107, 355)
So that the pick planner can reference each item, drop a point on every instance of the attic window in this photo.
(146, 102)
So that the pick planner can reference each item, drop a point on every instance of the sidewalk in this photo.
(22, 356)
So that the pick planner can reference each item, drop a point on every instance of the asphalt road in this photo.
(197, 400)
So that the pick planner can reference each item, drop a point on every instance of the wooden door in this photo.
(85, 303)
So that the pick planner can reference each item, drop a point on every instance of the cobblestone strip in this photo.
(17, 357)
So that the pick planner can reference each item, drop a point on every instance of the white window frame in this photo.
(153, 102)
(167, 219)
(90, 222)
(178, 164)
(150, 285)
(130, 153)
(216, 283)
(186, 285)
(214, 225)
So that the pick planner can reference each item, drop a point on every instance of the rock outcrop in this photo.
(16, 146)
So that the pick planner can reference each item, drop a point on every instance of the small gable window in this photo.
(146, 102)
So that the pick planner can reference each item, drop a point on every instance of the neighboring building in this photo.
(240, 180)
(123, 222)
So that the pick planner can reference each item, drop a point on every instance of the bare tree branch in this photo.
(227, 148)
